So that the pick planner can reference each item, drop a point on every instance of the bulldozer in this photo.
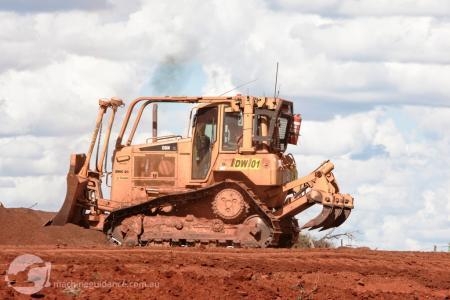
(228, 182)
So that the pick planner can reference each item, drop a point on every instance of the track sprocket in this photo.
(229, 205)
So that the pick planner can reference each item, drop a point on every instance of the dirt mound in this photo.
(23, 226)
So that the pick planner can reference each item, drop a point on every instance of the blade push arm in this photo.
(79, 171)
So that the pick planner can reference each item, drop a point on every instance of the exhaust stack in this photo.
(155, 123)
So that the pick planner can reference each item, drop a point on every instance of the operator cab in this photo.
(219, 134)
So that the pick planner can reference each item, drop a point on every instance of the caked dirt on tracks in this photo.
(83, 266)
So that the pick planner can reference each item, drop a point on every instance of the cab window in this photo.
(232, 131)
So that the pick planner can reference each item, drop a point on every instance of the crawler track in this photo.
(192, 222)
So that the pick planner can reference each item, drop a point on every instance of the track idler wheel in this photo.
(127, 233)
(259, 230)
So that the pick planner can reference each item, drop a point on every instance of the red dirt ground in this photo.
(85, 267)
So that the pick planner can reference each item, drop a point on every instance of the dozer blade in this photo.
(344, 216)
(332, 221)
(70, 212)
(320, 219)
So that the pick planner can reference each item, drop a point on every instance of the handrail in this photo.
(165, 137)
(166, 99)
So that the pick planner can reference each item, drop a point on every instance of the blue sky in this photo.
(371, 78)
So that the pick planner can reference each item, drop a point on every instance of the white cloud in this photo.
(55, 99)
(400, 7)
(31, 155)
(400, 196)
(342, 135)
(47, 191)
(438, 8)
(26, 6)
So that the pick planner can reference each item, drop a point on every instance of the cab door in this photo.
(204, 142)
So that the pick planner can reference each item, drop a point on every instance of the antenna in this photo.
(276, 82)
(248, 82)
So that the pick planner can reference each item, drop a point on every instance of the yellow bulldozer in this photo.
(228, 182)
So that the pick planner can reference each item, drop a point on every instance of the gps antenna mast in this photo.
(276, 82)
